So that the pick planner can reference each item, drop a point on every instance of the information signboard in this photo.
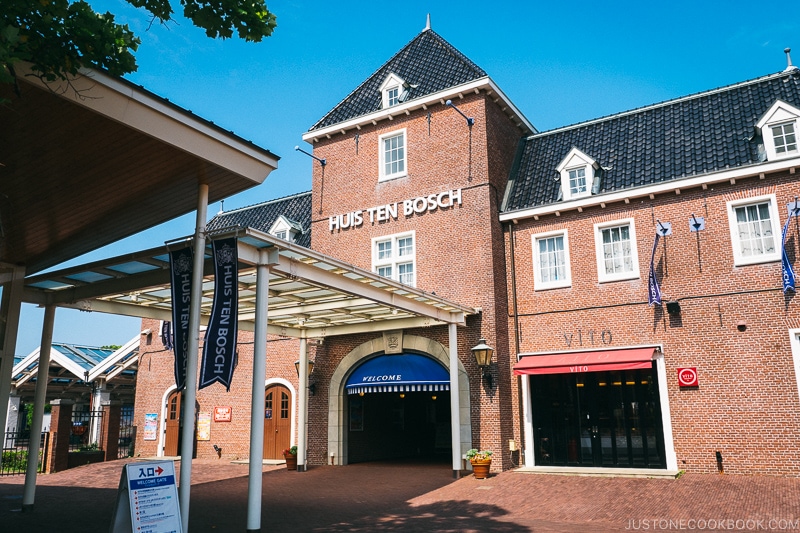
(147, 501)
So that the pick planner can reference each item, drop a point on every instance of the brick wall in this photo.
(747, 403)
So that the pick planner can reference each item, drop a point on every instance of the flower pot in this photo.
(480, 468)
(291, 461)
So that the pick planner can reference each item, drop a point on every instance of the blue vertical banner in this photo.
(653, 290)
(788, 273)
(181, 264)
(219, 348)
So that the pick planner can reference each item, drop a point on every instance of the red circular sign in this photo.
(687, 377)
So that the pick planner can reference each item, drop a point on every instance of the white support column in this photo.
(302, 407)
(527, 420)
(254, 482)
(455, 409)
(9, 325)
(39, 399)
(190, 394)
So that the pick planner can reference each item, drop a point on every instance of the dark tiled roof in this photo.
(262, 216)
(688, 136)
(428, 64)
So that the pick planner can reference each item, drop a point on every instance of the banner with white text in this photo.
(219, 348)
(181, 264)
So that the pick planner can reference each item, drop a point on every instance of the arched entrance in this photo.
(340, 403)
(392, 426)
(172, 433)
(277, 421)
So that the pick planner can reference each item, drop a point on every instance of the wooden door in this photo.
(173, 430)
(277, 422)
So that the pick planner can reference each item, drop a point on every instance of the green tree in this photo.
(58, 37)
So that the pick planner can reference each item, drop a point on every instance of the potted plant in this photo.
(481, 461)
(290, 454)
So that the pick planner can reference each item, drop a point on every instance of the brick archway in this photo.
(337, 436)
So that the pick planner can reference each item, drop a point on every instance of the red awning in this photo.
(573, 362)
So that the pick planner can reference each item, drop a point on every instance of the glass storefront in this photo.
(598, 419)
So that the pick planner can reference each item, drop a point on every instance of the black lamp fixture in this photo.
(312, 387)
(470, 120)
(483, 356)
(322, 161)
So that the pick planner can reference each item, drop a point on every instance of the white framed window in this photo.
(784, 137)
(578, 173)
(755, 230)
(394, 257)
(577, 181)
(617, 254)
(393, 155)
(779, 128)
(794, 339)
(393, 95)
(551, 266)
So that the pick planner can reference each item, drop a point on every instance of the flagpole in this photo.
(190, 394)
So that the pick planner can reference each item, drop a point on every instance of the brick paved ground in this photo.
(420, 498)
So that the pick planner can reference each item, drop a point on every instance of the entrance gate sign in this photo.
(147, 500)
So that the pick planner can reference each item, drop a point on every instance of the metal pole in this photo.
(302, 407)
(190, 394)
(455, 418)
(39, 398)
(258, 396)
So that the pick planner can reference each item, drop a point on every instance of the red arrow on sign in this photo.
(159, 470)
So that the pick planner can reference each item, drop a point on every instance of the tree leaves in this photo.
(59, 37)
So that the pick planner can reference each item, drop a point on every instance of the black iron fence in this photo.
(86, 433)
(127, 433)
(16, 447)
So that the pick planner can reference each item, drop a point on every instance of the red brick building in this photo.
(429, 175)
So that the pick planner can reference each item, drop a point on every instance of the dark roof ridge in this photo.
(664, 103)
(447, 46)
(267, 202)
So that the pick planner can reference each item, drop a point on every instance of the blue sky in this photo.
(559, 62)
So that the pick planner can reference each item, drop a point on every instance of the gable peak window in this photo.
(778, 129)
(578, 174)
(393, 91)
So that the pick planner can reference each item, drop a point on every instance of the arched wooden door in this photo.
(277, 422)
(172, 435)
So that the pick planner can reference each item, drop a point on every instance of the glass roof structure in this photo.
(311, 295)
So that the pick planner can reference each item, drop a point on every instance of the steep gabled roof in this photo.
(296, 208)
(428, 64)
(689, 136)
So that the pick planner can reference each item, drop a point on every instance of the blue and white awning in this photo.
(399, 373)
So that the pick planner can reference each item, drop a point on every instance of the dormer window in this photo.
(286, 229)
(393, 91)
(577, 173)
(778, 129)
